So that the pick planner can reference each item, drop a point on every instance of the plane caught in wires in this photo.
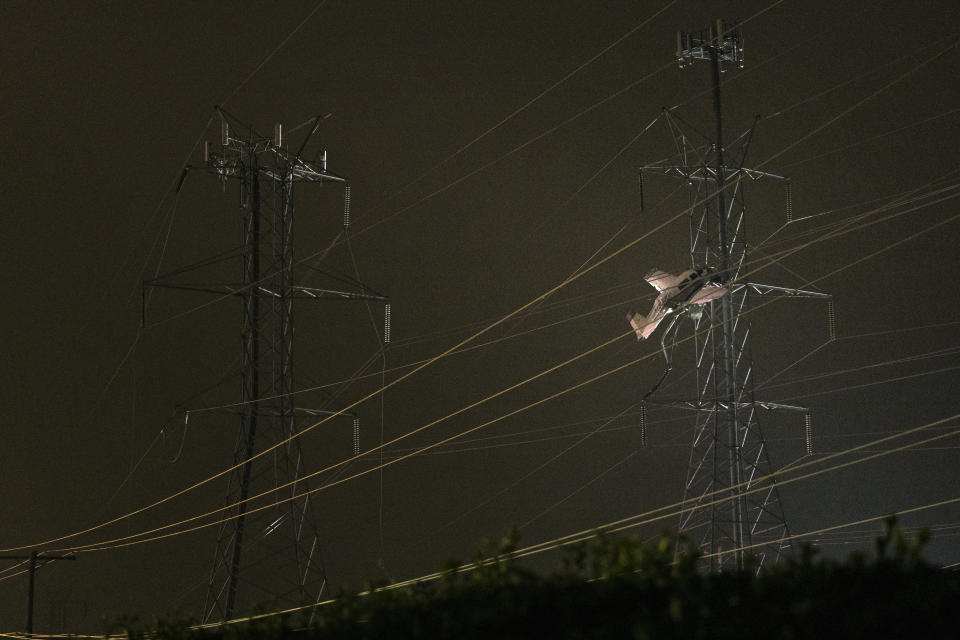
(691, 287)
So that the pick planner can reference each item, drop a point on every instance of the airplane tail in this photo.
(639, 322)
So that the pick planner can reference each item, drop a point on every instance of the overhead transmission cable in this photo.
(538, 468)
(889, 199)
(587, 270)
(583, 438)
(808, 244)
(446, 187)
(842, 224)
(175, 183)
(860, 76)
(472, 444)
(677, 508)
(527, 104)
(874, 383)
(322, 253)
(541, 135)
(534, 301)
(870, 139)
(515, 554)
(114, 542)
(541, 308)
(642, 519)
(946, 351)
(843, 113)
(273, 52)
(382, 341)
(127, 540)
(854, 523)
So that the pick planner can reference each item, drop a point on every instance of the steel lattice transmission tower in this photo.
(278, 561)
(728, 508)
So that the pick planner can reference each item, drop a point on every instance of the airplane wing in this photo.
(708, 294)
(660, 280)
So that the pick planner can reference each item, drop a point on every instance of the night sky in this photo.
(491, 153)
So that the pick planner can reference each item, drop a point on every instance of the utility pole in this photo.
(280, 562)
(729, 453)
(33, 559)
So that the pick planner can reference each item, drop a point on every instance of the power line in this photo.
(631, 522)
(932, 505)
(929, 228)
(649, 517)
(861, 102)
(462, 343)
(526, 105)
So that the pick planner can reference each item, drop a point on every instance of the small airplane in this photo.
(690, 287)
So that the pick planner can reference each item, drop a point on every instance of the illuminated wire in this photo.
(619, 524)
(854, 523)
(14, 567)
(860, 76)
(524, 145)
(274, 52)
(937, 325)
(391, 462)
(512, 335)
(156, 438)
(579, 489)
(858, 261)
(382, 389)
(532, 302)
(649, 517)
(547, 132)
(871, 138)
(531, 141)
(840, 225)
(860, 103)
(635, 521)
(383, 368)
(480, 426)
(819, 376)
(536, 403)
(587, 534)
(792, 365)
(894, 200)
(870, 384)
(524, 107)
(583, 438)
(869, 256)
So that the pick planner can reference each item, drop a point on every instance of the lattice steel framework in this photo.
(279, 562)
(729, 509)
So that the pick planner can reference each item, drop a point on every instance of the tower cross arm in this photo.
(710, 406)
(769, 289)
(703, 172)
(299, 169)
(295, 292)
(316, 293)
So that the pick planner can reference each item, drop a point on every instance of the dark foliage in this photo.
(620, 587)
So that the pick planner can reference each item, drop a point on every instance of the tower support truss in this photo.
(732, 500)
(272, 557)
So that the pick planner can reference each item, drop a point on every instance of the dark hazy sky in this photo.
(460, 215)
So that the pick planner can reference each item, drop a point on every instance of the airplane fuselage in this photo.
(690, 287)
(689, 284)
